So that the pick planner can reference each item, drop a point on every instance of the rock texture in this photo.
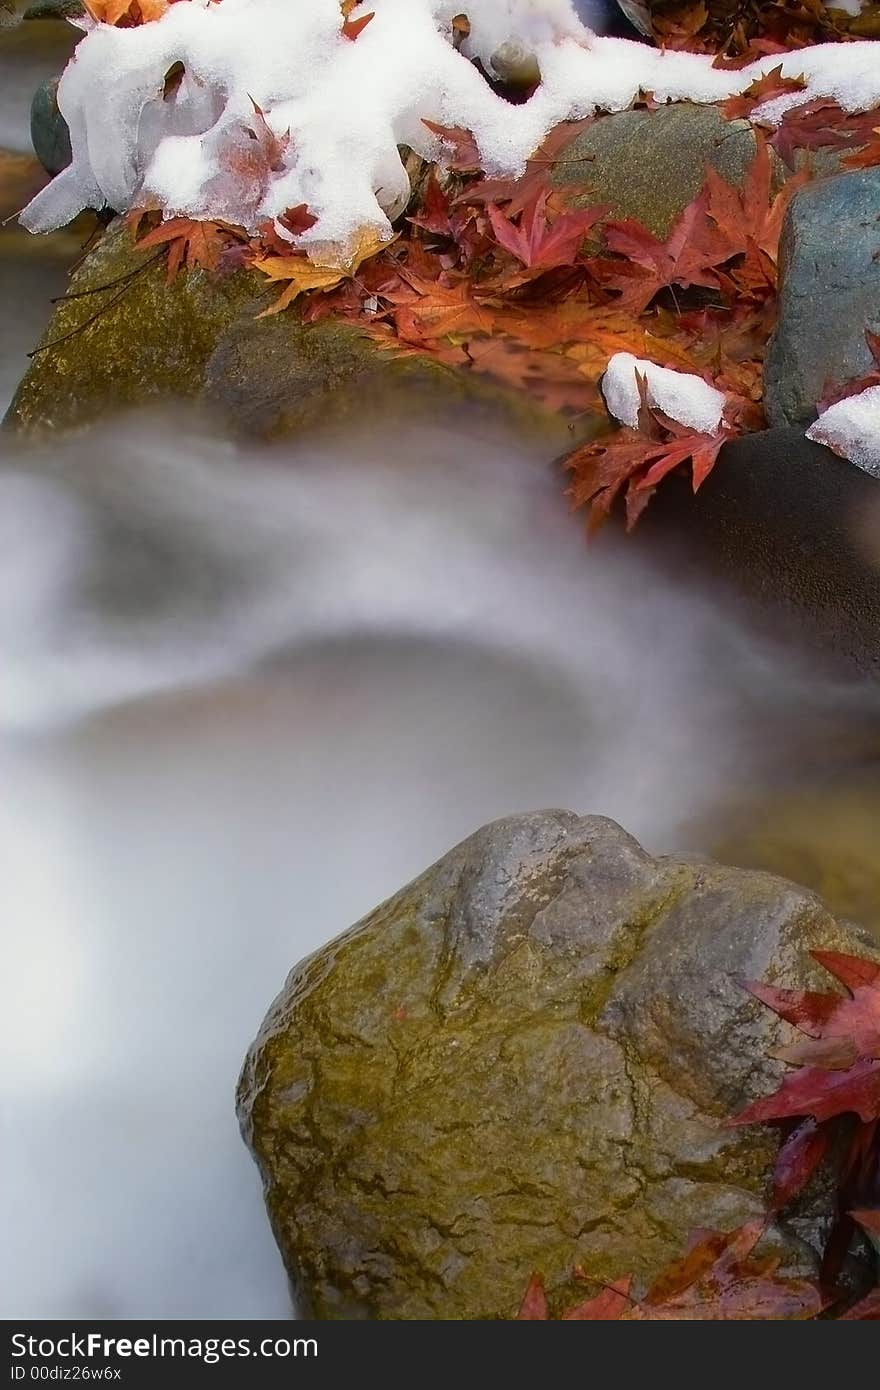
(128, 338)
(792, 526)
(651, 164)
(523, 1061)
(830, 293)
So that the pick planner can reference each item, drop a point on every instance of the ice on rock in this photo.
(851, 428)
(683, 397)
(139, 139)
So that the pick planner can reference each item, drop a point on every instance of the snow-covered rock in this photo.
(851, 428)
(682, 396)
(348, 104)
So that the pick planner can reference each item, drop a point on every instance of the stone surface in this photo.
(793, 527)
(830, 265)
(651, 164)
(522, 1061)
(49, 133)
(128, 338)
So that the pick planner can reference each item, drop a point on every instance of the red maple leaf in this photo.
(719, 1279)
(633, 460)
(765, 88)
(191, 244)
(838, 1075)
(352, 27)
(688, 256)
(539, 243)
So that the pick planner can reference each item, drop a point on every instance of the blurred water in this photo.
(244, 696)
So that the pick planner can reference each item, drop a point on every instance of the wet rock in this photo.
(793, 527)
(523, 1061)
(126, 337)
(651, 164)
(49, 133)
(55, 9)
(830, 293)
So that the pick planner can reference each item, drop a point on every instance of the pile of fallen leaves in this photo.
(516, 279)
(831, 1107)
(753, 27)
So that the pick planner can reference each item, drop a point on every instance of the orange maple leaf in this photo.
(189, 243)
(126, 13)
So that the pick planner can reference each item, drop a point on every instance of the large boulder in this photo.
(524, 1060)
(830, 293)
(123, 337)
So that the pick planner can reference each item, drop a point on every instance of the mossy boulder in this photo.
(650, 164)
(524, 1061)
(124, 336)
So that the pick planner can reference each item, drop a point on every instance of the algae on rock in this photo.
(125, 337)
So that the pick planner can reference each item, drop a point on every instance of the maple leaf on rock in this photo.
(688, 256)
(821, 124)
(867, 157)
(538, 243)
(719, 1279)
(630, 459)
(837, 1078)
(303, 274)
(190, 243)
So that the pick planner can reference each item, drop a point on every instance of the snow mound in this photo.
(851, 428)
(162, 115)
(683, 397)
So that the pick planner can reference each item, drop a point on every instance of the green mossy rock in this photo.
(124, 337)
(650, 164)
(523, 1061)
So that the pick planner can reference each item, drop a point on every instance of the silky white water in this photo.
(244, 696)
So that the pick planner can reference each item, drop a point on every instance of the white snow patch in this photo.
(851, 428)
(682, 396)
(348, 105)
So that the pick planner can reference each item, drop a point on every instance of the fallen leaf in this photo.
(303, 274)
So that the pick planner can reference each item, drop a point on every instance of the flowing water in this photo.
(247, 693)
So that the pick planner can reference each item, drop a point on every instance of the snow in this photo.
(852, 429)
(348, 105)
(682, 396)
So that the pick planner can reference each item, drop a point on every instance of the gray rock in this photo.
(49, 133)
(521, 1061)
(830, 264)
(651, 164)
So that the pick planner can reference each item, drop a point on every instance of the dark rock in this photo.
(49, 133)
(830, 293)
(792, 526)
(523, 1060)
